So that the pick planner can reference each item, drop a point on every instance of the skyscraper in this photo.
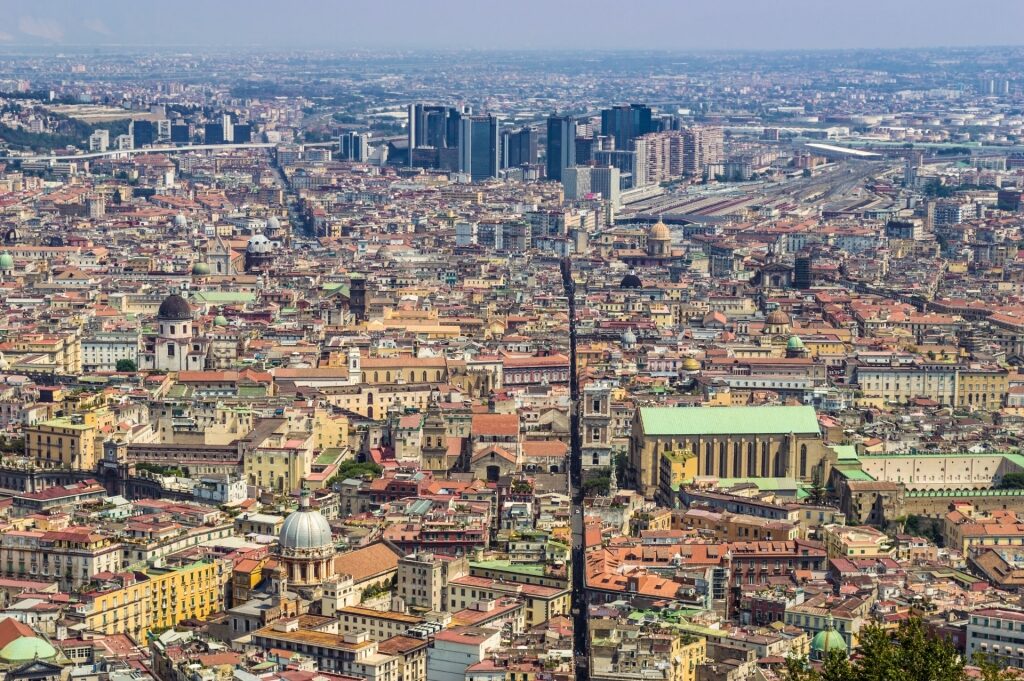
(213, 133)
(518, 147)
(354, 146)
(701, 146)
(582, 181)
(434, 127)
(627, 122)
(181, 133)
(478, 147)
(561, 146)
(242, 133)
(228, 127)
(144, 132)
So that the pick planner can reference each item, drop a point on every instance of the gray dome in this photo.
(631, 281)
(174, 308)
(259, 244)
(305, 529)
(629, 338)
(180, 221)
(273, 224)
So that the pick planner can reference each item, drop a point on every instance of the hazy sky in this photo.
(523, 24)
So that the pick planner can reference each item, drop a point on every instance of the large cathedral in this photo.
(174, 346)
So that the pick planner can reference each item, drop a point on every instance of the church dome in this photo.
(174, 308)
(6, 261)
(795, 343)
(201, 269)
(631, 281)
(259, 244)
(22, 644)
(825, 641)
(690, 364)
(26, 649)
(660, 232)
(777, 318)
(628, 337)
(273, 224)
(220, 320)
(180, 221)
(305, 529)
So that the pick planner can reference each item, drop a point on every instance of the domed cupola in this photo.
(306, 545)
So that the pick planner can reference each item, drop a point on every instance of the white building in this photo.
(998, 634)
(99, 140)
(102, 350)
(456, 649)
(174, 348)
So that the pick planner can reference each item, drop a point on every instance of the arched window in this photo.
(737, 459)
(803, 461)
(709, 463)
(751, 458)
(765, 460)
(722, 458)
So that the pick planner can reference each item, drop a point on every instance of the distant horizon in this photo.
(324, 49)
(528, 26)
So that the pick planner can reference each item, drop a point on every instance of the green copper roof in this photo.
(223, 297)
(27, 648)
(855, 474)
(532, 569)
(728, 420)
(827, 640)
(795, 343)
(845, 453)
(964, 493)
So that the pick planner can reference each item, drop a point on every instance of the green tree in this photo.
(817, 494)
(990, 671)
(599, 485)
(126, 365)
(621, 467)
(1012, 481)
(355, 469)
(911, 653)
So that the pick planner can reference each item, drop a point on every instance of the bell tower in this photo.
(434, 451)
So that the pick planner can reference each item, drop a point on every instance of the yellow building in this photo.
(192, 591)
(73, 442)
(279, 463)
(621, 651)
(161, 598)
(842, 541)
(729, 442)
(45, 353)
(678, 467)
(117, 609)
(982, 387)
(329, 430)
(403, 369)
